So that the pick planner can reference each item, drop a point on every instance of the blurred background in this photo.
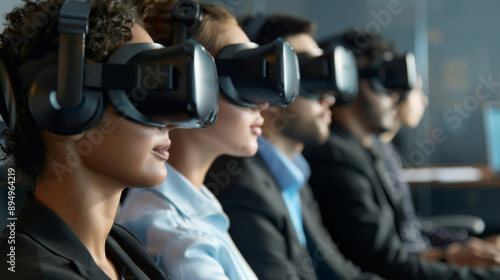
(456, 47)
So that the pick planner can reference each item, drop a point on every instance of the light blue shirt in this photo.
(184, 229)
(291, 175)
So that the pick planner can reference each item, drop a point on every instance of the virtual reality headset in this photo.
(250, 74)
(391, 73)
(168, 85)
(331, 69)
(146, 83)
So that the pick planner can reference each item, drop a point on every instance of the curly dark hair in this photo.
(278, 26)
(32, 32)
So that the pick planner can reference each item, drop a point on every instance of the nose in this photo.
(261, 107)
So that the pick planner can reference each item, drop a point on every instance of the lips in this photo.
(256, 127)
(161, 152)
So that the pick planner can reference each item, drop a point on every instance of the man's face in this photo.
(310, 119)
(411, 110)
(377, 110)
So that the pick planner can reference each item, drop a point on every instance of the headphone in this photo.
(186, 19)
(249, 74)
(56, 97)
(187, 16)
(146, 82)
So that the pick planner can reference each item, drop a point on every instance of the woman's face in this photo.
(237, 128)
(411, 110)
(130, 153)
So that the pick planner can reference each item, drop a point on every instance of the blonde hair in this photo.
(158, 17)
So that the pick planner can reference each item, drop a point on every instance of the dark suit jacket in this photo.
(47, 248)
(350, 184)
(263, 231)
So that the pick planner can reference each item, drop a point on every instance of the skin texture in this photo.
(235, 132)
(377, 110)
(369, 114)
(86, 173)
(411, 110)
(306, 121)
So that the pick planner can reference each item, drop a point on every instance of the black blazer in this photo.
(351, 186)
(263, 231)
(47, 248)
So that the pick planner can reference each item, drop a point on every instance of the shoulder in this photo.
(155, 226)
(131, 247)
(139, 202)
(340, 148)
(251, 190)
(239, 176)
(341, 155)
(29, 259)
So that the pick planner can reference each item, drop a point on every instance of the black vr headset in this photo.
(146, 83)
(249, 74)
(321, 71)
(392, 73)
(334, 68)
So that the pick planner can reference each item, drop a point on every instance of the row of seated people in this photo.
(231, 201)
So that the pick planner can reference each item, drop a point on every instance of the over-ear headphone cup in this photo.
(186, 10)
(187, 17)
(45, 110)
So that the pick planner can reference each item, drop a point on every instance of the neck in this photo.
(190, 156)
(346, 117)
(387, 136)
(87, 205)
(286, 145)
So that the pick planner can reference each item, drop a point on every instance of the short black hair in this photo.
(278, 26)
(365, 46)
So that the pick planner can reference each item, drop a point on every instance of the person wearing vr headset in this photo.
(350, 179)
(180, 222)
(274, 218)
(421, 236)
(76, 138)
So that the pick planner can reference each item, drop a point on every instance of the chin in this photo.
(153, 180)
(246, 150)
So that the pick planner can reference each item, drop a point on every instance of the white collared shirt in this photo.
(184, 229)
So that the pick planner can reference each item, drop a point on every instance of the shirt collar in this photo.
(289, 173)
(193, 203)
